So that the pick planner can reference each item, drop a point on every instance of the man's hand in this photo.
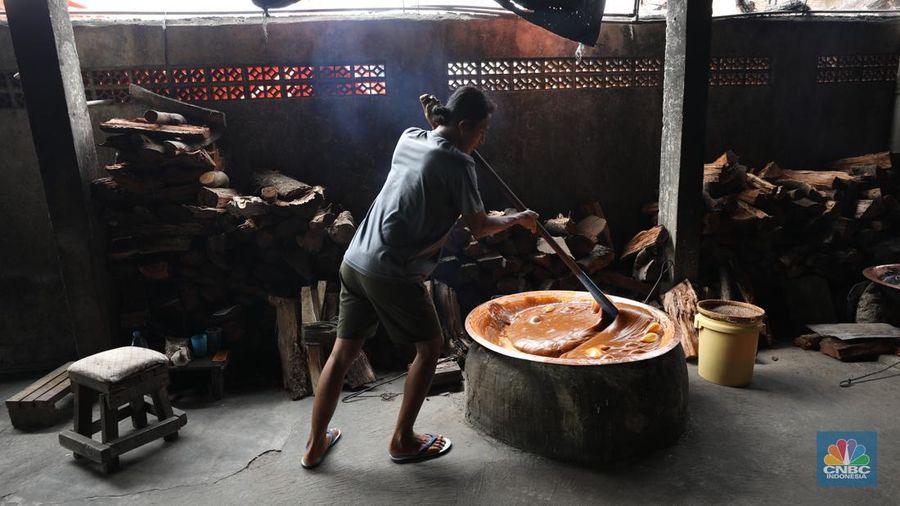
(429, 102)
(527, 219)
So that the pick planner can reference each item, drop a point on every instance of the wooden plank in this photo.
(856, 351)
(140, 125)
(850, 331)
(57, 393)
(84, 446)
(147, 434)
(46, 387)
(681, 304)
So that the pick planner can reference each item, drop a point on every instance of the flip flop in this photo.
(335, 435)
(423, 454)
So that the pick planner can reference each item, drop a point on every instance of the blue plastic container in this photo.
(198, 345)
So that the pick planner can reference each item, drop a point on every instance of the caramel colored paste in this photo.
(552, 328)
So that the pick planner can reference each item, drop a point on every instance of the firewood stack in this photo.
(189, 248)
(516, 260)
(798, 239)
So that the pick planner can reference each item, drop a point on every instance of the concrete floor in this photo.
(742, 446)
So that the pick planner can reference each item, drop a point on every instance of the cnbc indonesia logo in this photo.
(846, 460)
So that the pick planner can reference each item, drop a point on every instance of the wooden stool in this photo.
(120, 379)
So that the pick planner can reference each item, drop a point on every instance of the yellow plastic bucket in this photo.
(729, 332)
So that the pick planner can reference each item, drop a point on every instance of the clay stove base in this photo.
(591, 415)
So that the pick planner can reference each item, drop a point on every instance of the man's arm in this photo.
(481, 225)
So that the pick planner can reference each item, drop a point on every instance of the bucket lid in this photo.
(731, 311)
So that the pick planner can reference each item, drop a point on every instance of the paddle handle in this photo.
(606, 306)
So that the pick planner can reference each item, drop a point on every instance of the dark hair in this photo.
(466, 103)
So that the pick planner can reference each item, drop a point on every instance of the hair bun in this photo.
(441, 114)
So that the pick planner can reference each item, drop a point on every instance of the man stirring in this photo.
(431, 183)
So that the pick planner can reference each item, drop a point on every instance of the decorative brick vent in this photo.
(213, 84)
(865, 68)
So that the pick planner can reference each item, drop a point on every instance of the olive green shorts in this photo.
(404, 308)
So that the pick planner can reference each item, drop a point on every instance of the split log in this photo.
(593, 227)
(215, 179)
(544, 247)
(653, 237)
(164, 118)
(579, 245)
(216, 197)
(294, 365)
(808, 341)
(762, 185)
(305, 206)
(770, 171)
(140, 125)
(105, 189)
(247, 207)
(456, 339)
(287, 187)
(181, 175)
(723, 176)
(360, 373)
(269, 194)
(599, 257)
(131, 247)
(312, 240)
(176, 148)
(447, 377)
(818, 179)
(560, 226)
(681, 305)
(491, 262)
(868, 209)
(289, 228)
(857, 350)
(647, 265)
(343, 228)
(322, 219)
(205, 213)
(881, 160)
(474, 249)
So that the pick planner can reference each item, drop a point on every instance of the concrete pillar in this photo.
(685, 83)
(48, 64)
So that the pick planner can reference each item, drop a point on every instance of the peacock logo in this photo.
(847, 459)
(846, 452)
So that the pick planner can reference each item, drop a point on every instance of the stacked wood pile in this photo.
(516, 260)
(798, 239)
(186, 249)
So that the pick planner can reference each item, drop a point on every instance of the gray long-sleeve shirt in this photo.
(430, 184)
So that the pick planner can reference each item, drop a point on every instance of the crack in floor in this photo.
(272, 450)
(184, 485)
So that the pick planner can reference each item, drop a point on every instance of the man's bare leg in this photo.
(418, 382)
(328, 390)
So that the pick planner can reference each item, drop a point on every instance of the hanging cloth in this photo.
(577, 20)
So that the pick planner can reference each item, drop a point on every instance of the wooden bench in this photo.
(214, 367)
(38, 405)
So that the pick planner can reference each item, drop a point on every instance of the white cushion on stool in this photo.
(112, 366)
